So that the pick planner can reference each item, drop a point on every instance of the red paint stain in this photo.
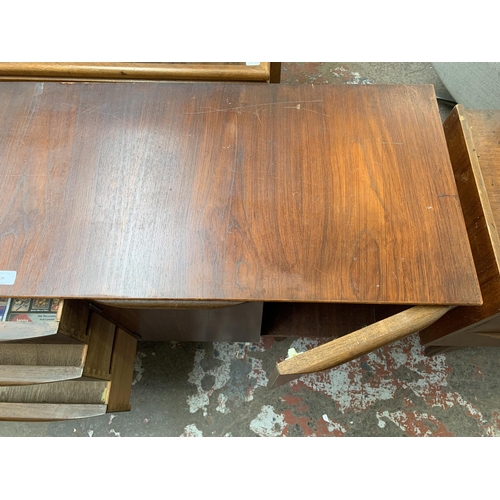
(417, 424)
(308, 72)
(267, 342)
(292, 420)
(295, 401)
(479, 375)
(291, 400)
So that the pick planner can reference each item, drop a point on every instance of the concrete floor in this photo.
(219, 389)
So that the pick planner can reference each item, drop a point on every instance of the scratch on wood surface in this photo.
(382, 142)
(306, 109)
(88, 110)
(216, 110)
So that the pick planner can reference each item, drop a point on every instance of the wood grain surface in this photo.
(230, 192)
(473, 138)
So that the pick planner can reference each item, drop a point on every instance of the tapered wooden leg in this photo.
(356, 344)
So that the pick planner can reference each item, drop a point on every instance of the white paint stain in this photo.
(353, 77)
(351, 391)
(220, 370)
(222, 404)
(90, 433)
(111, 417)
(334, 426)
(268, 423)
(138, 369)
(116, 434)
(191, 431)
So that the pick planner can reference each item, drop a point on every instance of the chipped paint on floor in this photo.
(138, 369)
(414, 424)
(191, 431)
(396, 390)
(227, 368)
(268, 423)
(350, 77)
(357, 385)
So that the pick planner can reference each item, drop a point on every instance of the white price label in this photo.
(7, 277)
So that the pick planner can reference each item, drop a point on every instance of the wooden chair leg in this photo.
(356, 344)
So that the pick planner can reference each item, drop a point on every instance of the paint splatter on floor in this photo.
(228, 370)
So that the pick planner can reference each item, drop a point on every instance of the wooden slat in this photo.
(331, 193)
(42, 354)
(29, 412)
(100, 347)
(80, 71)
(475, 157)
(32, 374)
(356, 344)
(122, 371)
(19, 330)
(80, 391)
(275, 72)
(56, 339)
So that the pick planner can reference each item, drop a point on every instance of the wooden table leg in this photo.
(356, 344)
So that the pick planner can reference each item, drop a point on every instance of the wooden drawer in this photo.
(76, 365)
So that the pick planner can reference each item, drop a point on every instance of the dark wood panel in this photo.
(484, 333)
(239, 323)
(230, 192)
(472, 139)
(296, 319)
